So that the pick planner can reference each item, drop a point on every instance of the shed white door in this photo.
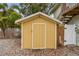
(69, 35)
(38, 35)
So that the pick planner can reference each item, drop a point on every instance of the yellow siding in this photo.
(26, 30)
(50, 33)
(38, 35)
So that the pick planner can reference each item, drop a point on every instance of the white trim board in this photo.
(56, 36)
(22, 36)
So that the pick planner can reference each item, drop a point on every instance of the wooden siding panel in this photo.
(27, 36)
(50, 33)
(38, 35)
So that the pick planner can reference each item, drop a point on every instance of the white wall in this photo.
(70, 5)
(74, 20)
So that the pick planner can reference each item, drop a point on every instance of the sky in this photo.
(10, 4)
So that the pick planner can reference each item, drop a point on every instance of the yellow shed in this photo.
(39, 31)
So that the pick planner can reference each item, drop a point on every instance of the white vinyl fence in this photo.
(69, 35)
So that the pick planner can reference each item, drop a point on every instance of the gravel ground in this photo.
(11, 47)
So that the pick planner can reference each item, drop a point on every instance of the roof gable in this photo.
(38, 14)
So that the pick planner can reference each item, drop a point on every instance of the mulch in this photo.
(12, 48)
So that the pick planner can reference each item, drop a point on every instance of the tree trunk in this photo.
(12, 33)
(4, 34)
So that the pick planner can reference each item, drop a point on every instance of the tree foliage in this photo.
(9, 15)
(29, 8)
(7, 18)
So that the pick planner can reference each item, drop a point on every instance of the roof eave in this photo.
(21, 20)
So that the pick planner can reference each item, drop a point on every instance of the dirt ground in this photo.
(11, 47)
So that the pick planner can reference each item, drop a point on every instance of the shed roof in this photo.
(38, 14)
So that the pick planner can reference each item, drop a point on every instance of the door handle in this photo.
(31, 30)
